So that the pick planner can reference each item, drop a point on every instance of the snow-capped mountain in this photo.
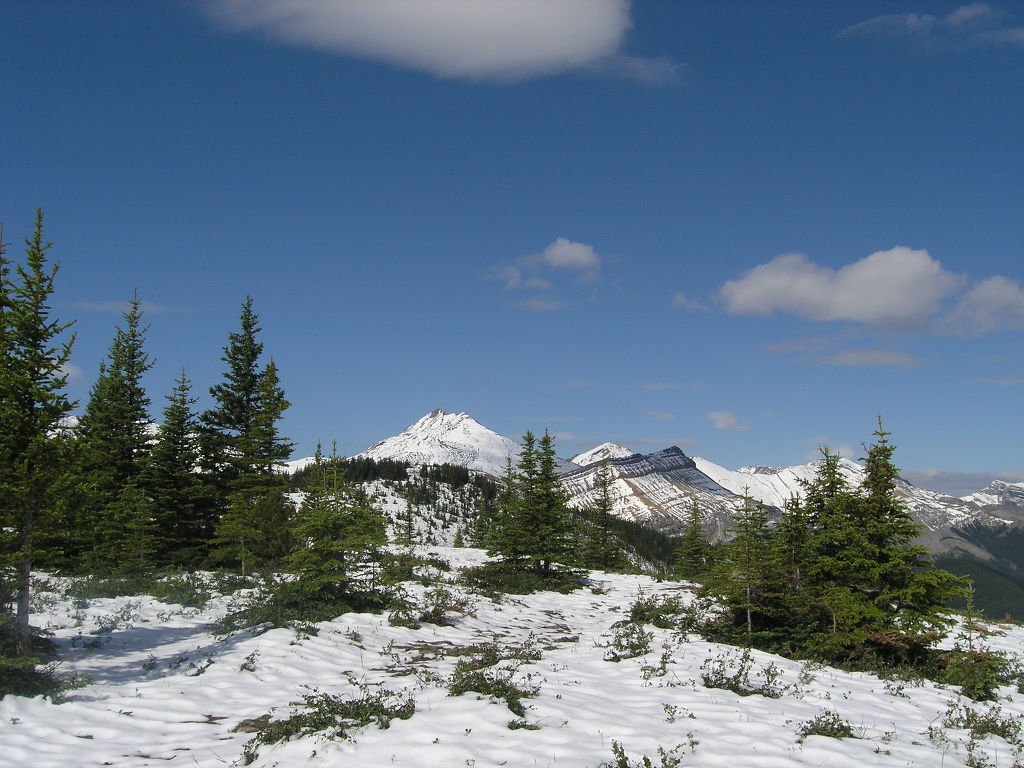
(603, 452)
(448, 438)
(1000, 499)
(658, 490)
(774, 486)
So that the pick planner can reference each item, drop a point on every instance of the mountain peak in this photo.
(602, 452)
(441, 437)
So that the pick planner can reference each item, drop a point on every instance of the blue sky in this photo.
(744, 228)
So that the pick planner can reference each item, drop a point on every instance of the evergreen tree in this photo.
(601, 548)
(246, 450)
(747, 575)
(534, 529)
(228, 426)
(33, 404)
(114, 446)
(691, 556)
(181, 502)
(338, 536)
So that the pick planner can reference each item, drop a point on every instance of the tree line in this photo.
(110, 492)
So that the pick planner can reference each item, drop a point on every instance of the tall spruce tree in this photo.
(228, 426)
(246, 449)
(180, 497)
(114, 447)
(33, 403)
(534, 529)
(691, 556)
(601, 545)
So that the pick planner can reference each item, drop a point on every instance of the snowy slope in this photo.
(165, 691)
(1001, 499)
(600, 453)
(776, 485)
(658, 490)
(448, 438)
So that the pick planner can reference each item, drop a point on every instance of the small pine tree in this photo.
(338, 536)
(691, 556)
(601, 547)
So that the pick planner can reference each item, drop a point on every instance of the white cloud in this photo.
(680, 299)
(991, 305)
(120, 307)
(540, 271)
(968, 26)
(469, 39)
(565, 254)
(660, 415)
(72, 371)
(869, 357)
(539, 304)
(725, 420)
(900, 287)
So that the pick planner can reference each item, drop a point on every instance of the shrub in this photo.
(732, 673)
(511, 580)
(829, 724)
(496, 683)
(328, 716)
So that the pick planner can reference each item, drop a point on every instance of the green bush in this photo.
(511, 580)
(829, 724)
(330, 717)
(496, 683)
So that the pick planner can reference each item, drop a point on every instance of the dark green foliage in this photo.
(498, 683)
(978, 670)
(692, 554)
(338, 535)
(113, 452)
(243, 448)
(181, 500)
(509, 579)
(601, 546)
(358, 469)
(32, 405)
(533, 529)
(839, 578)
(329, 716)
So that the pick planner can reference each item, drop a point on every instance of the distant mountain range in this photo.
(659, 488)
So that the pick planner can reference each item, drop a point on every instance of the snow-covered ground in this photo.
(165, 691)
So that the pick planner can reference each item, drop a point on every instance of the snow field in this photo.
(165, 691)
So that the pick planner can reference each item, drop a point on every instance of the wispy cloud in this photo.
(578, 384)
(869, 357)
(660, 415)
(680, 299)
(969, 26)
(958, 483)
(725, 420)
(1011, 381)
(539, 304)
(493, 40)
(119, 307)
(671, 385)
(662, 442)
(539, 272)
(72, 371)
